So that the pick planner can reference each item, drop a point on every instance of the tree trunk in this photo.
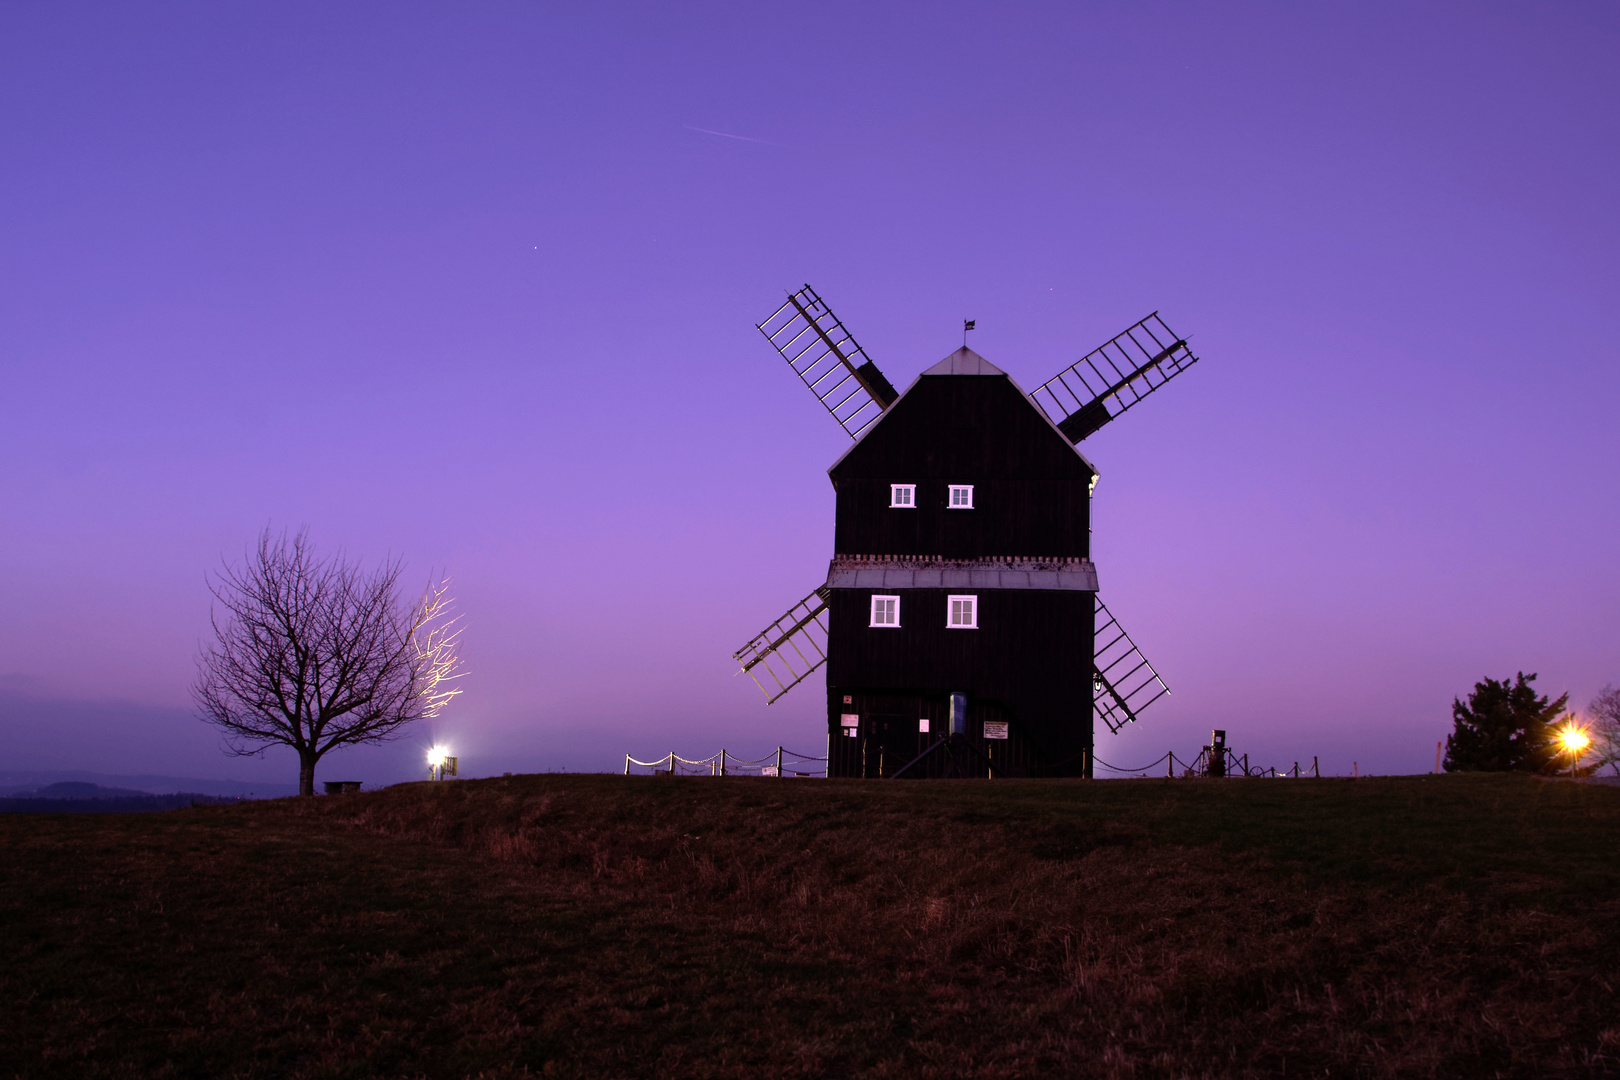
(306, 773)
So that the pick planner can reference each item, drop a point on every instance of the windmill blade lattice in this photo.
(790, 648)
(1123, 682)
(829, 360)
(1113, 378)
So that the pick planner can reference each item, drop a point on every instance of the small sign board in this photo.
(767, 770)
(995, 730)
(922, 725)
(850, 719)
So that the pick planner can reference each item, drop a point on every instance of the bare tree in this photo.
(1605, 713)
(315, 654)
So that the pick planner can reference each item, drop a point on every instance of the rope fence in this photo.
(1230, 764)
(786, 763)
(783, 762)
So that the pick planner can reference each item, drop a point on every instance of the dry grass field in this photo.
(1464, 926)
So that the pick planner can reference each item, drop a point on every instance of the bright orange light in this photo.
(1574, 739)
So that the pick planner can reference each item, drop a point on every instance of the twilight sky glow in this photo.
(476, 285)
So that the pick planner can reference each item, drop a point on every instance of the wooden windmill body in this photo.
(959, 621)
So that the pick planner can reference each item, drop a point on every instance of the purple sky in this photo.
(476, 286)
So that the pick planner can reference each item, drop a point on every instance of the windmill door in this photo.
(890, 742)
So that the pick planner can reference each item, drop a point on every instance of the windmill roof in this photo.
(964, 361)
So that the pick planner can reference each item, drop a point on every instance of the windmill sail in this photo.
(790, 648)
(1114, 377)
(829, 360)
(1123, 682)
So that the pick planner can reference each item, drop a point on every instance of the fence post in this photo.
(722, 761)
(1170, 769)
(1315, 771)
(779, 763)
(627, 764)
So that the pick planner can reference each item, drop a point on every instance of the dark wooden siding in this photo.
(1031, 490)
(889, 737)
(1031, 656)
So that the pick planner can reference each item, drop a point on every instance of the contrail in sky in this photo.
(729, 135)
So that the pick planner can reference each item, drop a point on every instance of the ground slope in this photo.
(607, 927)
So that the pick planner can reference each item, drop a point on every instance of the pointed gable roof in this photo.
(964, 361)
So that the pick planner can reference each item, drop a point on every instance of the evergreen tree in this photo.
(1505, 727)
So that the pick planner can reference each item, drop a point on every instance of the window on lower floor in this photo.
(903, 495)
(964, 613)
(885, 611)
(961, 496)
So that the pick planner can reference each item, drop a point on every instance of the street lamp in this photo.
(1574, 740)
(440, 764)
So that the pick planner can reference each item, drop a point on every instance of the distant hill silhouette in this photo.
(31, 784)
(78, 797)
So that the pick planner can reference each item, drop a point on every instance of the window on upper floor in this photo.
(885, 611)
(964, 613)
(961, 497)
(904, 495)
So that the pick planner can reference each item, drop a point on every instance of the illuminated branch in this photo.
(436, 640)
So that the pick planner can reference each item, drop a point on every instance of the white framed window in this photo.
(963, 612)
(903, 496)
(886, 611)
(961, 497)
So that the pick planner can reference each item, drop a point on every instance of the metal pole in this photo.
(779, 763)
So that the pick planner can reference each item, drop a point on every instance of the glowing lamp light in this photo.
(441, 763)
(1574, 740)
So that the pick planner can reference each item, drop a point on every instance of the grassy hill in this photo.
(1462, 926)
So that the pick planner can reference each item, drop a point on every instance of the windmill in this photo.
(959, 620)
